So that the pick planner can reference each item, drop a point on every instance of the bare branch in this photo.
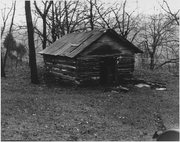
(12, 17)
(167, 62)
(173, 16)
(38, 10)
(5, 18)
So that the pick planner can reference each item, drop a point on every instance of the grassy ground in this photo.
(57, 112)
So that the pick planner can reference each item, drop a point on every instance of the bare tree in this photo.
(5, 18)
(158, 35)
(71, 16)
(171, 15)
(66, 17)
(43, 15)
(95, 15)
(104, 15)
(3, 74)
(116, 17)
(125, 23)
(32, 54)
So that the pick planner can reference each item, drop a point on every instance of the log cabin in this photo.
(100, 55)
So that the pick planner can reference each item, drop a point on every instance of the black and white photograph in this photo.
(90, 70)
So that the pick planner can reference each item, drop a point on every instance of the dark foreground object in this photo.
(169, 135)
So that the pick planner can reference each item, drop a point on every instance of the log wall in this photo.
(125, 65)
(64, 68)
(87, 68)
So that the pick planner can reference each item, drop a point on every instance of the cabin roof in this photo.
(72, 44)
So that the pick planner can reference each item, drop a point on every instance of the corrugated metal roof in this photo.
(72, 44)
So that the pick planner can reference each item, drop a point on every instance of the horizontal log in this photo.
(87, 58)
(99, 56)
(125, 62)
(88, 77)
(68, 77)
(85, 76)
(124, 71)
(88, 68)
(54, 60)
(66, 62)
(124, 75)
(57, 57)
(88, 64)
(66, 66)
(64, 71)
(88, 74)
(125, 67)
(125, 56)
(61, 66)
(48, 63)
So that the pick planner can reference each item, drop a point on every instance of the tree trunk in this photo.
(53, 24)
(5, 59)
(2, 68)
(152, 61)
(32, 54)
(66, 14)
(44, 32)
(43, 16)
(91, 15)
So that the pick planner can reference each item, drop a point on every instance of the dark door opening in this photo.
(108, 71)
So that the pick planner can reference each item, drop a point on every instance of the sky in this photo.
(141, 6)
(150, 6)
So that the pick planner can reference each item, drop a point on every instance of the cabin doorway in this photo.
(108, 71)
